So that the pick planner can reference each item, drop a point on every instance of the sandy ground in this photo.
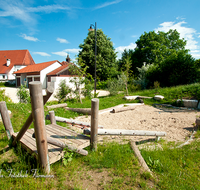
(178, 124)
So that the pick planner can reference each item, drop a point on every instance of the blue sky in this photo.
(51, 29)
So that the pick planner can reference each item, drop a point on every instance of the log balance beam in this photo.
(126, 132)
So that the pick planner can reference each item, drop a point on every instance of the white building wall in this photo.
(3, 77)
(11, 76)
(44, 72)
(57, 81)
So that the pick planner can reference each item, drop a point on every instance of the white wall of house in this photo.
(11, 76)
(3, 77)
(57, 81)
(44, 72)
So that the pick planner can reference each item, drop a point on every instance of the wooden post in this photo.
(39, 124)
(139, 156)
(52, 117)
(6, 119)
(49, 92)
(94, 123)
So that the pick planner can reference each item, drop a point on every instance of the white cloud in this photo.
(72, 50)
(23, 11)
(60, 53)
(29, 38)
(15, 9)
(187, 33)
(48, 8)
(61, 40)
(121, 49)
(66, 52)
(107, 4)
(134, 36)
(42, 54)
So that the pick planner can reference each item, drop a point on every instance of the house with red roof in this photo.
(12, 61)
(61, 73)
(36, 72)
(52, 71)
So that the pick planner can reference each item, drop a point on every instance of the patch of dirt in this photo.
(90, 179)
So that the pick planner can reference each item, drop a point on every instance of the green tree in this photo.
(154, 48)
(177, 69)
(126, 72)
(106, 66)
(81, 80)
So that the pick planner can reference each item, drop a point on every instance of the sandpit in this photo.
(178, 124)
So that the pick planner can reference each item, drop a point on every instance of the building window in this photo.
(3, 76)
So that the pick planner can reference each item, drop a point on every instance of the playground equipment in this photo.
(46, 142)
(43, 141)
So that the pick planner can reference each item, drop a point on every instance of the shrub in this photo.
(63, 91)
(23, 94)
(3, 97)
(102, 85)
(89, 86)
(115, 85)
(142, 78)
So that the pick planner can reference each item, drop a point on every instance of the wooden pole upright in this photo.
(52, 117)
(6, 119)
(49, 92)
(39, 124)
(94, 123)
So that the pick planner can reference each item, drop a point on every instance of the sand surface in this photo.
(178, 124)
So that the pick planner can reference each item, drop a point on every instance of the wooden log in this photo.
(72, 121)
(6, 119)
(63, 145)
(57, 106)
(49, 92)
(126, 108)
(139, 156)
(125, 132)
(144, 97)
(94, 123)
(52, 117)
(39, 124)
(81, 110)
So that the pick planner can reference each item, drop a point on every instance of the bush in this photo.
(63, 91)
(178, 69)
(89, 86)
(102, 85)
(23, 94)
(142, 78)
(3, 97)
(115, 85)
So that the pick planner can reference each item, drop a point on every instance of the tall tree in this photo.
(106, 66)
(155, 47)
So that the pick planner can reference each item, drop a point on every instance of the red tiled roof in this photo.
(59, 69)
(35, 68)
(17, 57)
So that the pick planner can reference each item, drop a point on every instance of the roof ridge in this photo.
(63, 68)
(24, 58)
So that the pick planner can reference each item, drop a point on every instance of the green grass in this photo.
(175, 168)
(114, 165)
